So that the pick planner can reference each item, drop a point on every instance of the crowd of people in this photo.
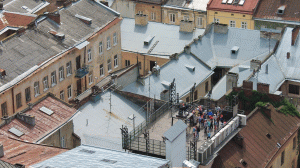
(207, 120)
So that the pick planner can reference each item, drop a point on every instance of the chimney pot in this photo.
(55, 17)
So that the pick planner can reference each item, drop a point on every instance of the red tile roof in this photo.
(25, 153)
(247, 8)
(258, 149)
(44, 123)
(267, 9)
(15, 19)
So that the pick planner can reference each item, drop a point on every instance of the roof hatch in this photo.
(84, 19)
(46, 110)
(190, 67)
(280, 10)
(16, 132)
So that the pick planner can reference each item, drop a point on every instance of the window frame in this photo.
(101, 70)
(45, 83)
(62, 142)
(100, 48)
(62, 95)
(244, 25)
(294, 89)
(282, 157)
(36, 88)
(18, 100)
(232, 23)
(69, 68)
(127, 63)
(217, 20)
(200, 20)
(4, 109)
(90, 78)
(89, 55)
(116, 61)
(115, 39)
(69, 91)
(109, 65)
(172, 18)
(61, 73)
(153, 16)
(108, 45)
(53, 78)
(27, 95)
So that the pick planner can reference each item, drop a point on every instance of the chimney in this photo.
(7, 119)
(2, 73)
(295, 33)
(26, 118)
(267, 110)
(247, 85)
(231, 80)
(186, 26)
(288, 55)
(55, 17)
(221, 28)
(187, 49)
(1, 151)
(141, 19)
(255, 65)
(263, 87)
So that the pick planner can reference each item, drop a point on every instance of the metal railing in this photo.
(155, 147)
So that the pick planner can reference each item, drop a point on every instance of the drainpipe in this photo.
(13, 100)
(84, 57)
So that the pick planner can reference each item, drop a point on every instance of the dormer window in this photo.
(280, 10)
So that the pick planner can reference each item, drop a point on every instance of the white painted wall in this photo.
(176, 150)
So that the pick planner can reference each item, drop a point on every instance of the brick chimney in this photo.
(26, 118)
(263, 87)
(55, 17)
(248, 85)
(267, 110)
(186, 26)
(295, 33)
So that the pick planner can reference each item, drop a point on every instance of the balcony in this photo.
(81, 72)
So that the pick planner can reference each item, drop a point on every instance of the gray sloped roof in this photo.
(16, 5)
(175, 130)
(88, 156)
(22, 52)
(171, 40)
(215, 48)
(103, 128)
(184, 77)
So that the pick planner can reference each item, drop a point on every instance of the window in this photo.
(61, 73)
(89, 53)
(172, 17)
(115, 61)
(127, 63)
(216, 20)
(100, 48)
(53, 78)
(140, 65)
(90, 78)
(232, 14)
(186, 18)
(4, 109)
(282, 158)
(153, 16)
(294, 143)
(206, 87)
(45, 83)
(62, 95)
(199, 21)
(216, 12)
(101, 70)
(196, 95)
(244, 25)
(19, 100)
(108, 65)
(294, 89)
(244, 15)
(62, 142)
(232, 23)
(69, 90)
(115, 40)
(140, 12)
(187, 99)
(108, 43)
(27, 94)
(36, 89)
(69, 68)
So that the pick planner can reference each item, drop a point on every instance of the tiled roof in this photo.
(267, 9)
(15, 19)
(88, 156)
(25, 153)
(257, 148)
(247, 8)
(44, 123)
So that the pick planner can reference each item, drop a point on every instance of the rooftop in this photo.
(158, 2)
(25, 6)
(87, 156)
(17, 20)
(257, 148)
(25, 52)
(16, 151)
(268, 9)
(234, 6)
(167, 38)
(178, 69)
(215, 49)
(185, 4)
(44, 123)
(96, 126)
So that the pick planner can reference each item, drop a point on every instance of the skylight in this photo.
(16, 132)
(46, 110)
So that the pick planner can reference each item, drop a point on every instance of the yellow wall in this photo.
(291, 155)
(144, 59)
(200, 89)
(55, 64)
(147, 9)
(225, 17)
(179, 15)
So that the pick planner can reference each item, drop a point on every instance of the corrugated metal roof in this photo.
(100, 157)
(184, 78)
(96, 126)
(175, 130)
(171, 40)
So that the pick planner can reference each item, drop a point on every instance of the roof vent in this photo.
(234, 49)
(243, 162)
(268, 135)
(280, 10)
(46, 110)
(148, 40)
(84, 19)
(59, 36)
(2, 73)
(192, 68)
(156, 69)
(288, 55)
(16, 132)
